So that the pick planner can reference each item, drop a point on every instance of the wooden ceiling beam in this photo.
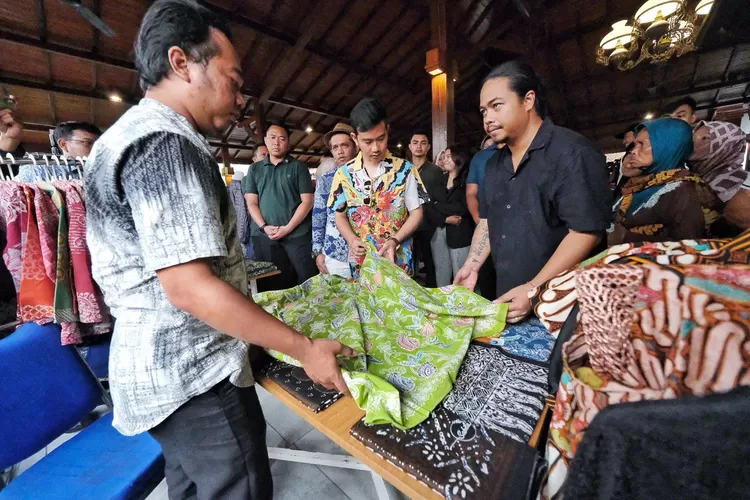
(48, 87)
(306, 107)
(320, 49)
(672, 95)
(56, 48)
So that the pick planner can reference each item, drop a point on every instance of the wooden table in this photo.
(335, 423)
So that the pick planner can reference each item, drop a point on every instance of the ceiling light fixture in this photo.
(309, 129)
(398, 145)
(433, 64)
(649, 116)
(660, 30)
(115, 97)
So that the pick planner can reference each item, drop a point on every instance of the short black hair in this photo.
(367, 114)
(523, 79)
(281, 126)
(672, 106)
(420, 132)
(169, 23)
(65, 130)
(257, 147)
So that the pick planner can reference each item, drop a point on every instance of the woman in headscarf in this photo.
(664, 202)
(719, 154)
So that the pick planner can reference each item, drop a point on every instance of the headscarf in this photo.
(671, 143)
(722, 168)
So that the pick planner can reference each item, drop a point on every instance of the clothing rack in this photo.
(50, 165)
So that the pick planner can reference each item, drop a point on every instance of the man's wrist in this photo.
(300, 348)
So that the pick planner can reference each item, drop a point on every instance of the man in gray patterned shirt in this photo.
(164, 247)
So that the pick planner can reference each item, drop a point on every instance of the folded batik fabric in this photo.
(411, 340)
(648, 332)
(456, 459)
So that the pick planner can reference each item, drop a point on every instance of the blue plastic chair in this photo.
(46, 389)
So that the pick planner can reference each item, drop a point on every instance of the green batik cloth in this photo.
(412, 340)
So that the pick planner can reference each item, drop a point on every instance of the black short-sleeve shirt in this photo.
(561, 184)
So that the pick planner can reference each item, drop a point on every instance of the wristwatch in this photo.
(263, 228)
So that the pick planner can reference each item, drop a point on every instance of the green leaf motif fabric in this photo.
(412, 340)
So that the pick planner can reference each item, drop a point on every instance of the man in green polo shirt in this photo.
(279, 195)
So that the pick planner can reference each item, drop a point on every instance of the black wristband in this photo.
(263, 228)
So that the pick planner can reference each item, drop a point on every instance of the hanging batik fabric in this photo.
(91, 308)
(411, 340)
(36, 296)
(648, 332)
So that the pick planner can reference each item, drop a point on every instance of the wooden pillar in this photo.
(443, 133)
(260, 122)
(226, 160)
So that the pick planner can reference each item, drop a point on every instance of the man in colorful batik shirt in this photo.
(329, 247)
(377, 197)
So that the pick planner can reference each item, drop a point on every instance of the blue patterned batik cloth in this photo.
(529, 339)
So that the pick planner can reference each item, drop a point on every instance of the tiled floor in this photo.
(292, 481)
(295, 481)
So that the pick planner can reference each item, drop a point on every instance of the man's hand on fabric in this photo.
(357, 247)
(388, 250)
(453, 220)
(281, 233)
(518, 302)
(467, 278)
(270, 231)
(321, 365)
(320, 261)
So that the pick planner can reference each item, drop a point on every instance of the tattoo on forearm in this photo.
(480, 243)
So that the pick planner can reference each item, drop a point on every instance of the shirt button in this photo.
(503, 236)
(508, 207)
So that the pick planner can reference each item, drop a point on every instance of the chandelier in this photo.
(660, 30)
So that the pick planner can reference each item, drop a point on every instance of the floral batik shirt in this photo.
(378, 207)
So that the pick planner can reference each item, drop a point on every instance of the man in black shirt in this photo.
(432, 176)
(546, 200)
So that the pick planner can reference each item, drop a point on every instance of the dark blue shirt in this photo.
(561, 184)
(478, 165)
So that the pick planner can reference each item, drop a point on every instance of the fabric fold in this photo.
(411, 340)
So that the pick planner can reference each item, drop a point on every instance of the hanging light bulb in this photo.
(619, 54)
(621, 34)
(658, 28)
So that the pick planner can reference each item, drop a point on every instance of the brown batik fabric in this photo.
(296, 382)
(457, 459)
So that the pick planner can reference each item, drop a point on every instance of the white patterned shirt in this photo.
(155, 199)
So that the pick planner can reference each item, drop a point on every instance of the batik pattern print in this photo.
(496, 391)
(529, 339)
(296, 382)
(456, 459)
(411, 340)
(555, 298)
(91, 308)
(13, 219)
(689, 334)
(381, 218)
(37, 292)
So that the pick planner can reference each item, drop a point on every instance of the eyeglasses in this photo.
(367, 200)
(85, 142)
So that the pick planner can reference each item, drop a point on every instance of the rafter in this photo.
(66, 51)
(320, 49)
(48, 87)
